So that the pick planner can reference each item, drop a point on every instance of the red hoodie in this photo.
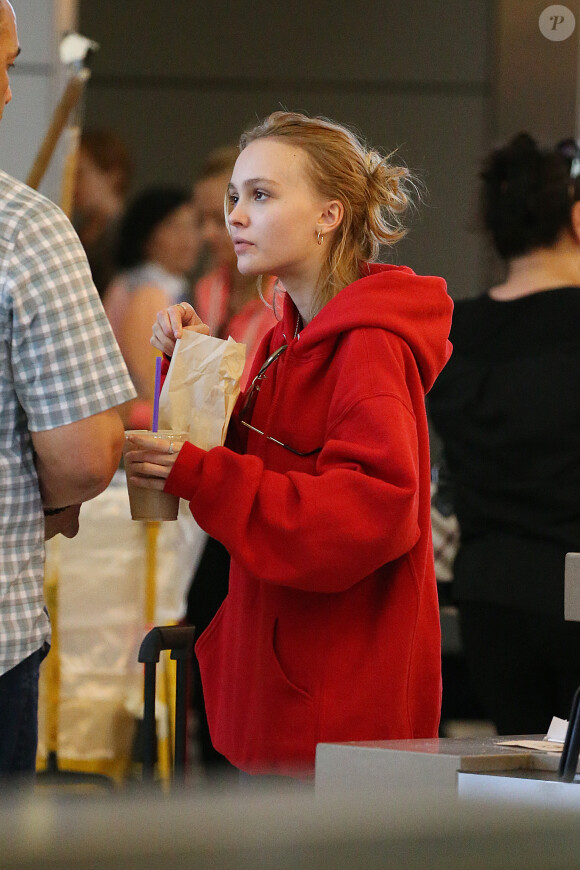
(330, 630)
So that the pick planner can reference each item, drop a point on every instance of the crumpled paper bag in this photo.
(201, 387)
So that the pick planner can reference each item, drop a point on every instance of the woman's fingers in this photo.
(150, 442)
(144, 468)
(160, 339)
(170, 324)
(138, 457)
(148, 482)
(190, 318)
(147, 457)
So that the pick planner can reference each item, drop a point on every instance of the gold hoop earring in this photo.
(319, 237)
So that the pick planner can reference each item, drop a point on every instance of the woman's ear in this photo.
(575, 221)
(331, 217)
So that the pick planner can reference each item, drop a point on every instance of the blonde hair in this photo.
(373, 192)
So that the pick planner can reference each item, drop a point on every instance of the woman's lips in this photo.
(241, 245)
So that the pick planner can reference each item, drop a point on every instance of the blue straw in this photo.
(155, 425)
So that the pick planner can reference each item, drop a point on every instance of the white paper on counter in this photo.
(552, 742)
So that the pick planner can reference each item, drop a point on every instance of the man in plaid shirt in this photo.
(61, 437)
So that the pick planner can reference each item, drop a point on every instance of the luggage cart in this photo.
(179, 639)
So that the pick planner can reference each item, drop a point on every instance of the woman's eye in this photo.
(233, 198)
(260, 195)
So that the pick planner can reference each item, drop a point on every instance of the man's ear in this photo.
(330, 217)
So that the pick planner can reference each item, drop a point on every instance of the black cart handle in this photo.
(571, 749)
(174, 637)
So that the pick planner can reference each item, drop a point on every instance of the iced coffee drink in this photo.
(153, 505)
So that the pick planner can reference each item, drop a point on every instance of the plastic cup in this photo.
(153, 505)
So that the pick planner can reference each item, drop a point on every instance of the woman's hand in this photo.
(170, 324)
(149, 459)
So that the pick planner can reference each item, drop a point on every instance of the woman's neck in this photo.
(302, 290)
(542, 269)
(242, 291)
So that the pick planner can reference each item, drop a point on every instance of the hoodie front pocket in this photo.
(284, 670)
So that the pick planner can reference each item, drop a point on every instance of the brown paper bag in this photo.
(201, 387)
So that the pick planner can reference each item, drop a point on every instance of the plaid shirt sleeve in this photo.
(66, 364)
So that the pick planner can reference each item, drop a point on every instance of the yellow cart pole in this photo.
(164, 696)
(51, 667)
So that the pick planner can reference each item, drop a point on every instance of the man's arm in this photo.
(77, 461)
(65, 522)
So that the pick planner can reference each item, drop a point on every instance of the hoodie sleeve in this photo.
(324, 531)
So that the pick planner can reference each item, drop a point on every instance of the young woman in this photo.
(330, 630)
(505, 408)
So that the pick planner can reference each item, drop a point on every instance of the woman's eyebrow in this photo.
(252, 182)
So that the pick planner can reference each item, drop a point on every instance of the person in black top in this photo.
(506, 407)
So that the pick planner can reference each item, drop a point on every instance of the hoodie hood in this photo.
(414, 307)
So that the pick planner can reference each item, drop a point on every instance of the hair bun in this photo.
(513, 164)
(523, 143)
(525, 199)
(384, 182)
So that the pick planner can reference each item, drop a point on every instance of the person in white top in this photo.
(157, 249)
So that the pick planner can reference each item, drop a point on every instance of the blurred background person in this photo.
(158, 246)
(505, 406)
(104, 171)
(231, 304)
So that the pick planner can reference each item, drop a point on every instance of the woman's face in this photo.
(93, 185)
(174, 243)
(274, 212)
(208, 196)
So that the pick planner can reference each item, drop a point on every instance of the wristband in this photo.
(51, 512)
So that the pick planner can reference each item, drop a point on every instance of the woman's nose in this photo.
(237, 215)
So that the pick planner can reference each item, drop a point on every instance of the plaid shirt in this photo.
(60, 363)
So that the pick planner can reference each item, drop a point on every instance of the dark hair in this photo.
(526, 195)
(109, 152)
(145, 212)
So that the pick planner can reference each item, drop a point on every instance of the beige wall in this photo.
(536, 81)
(179, 78)
(442, 82)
